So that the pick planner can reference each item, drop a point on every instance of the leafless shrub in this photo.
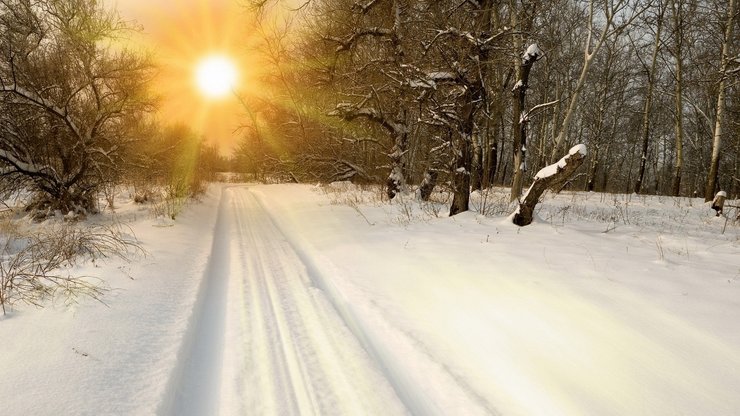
(36, 268)
(491, 202)
(109, 193)
(431, 209)
(347, 193)
(405, 209)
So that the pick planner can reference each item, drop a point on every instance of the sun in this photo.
(215, 76)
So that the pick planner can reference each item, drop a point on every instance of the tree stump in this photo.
(718, 203)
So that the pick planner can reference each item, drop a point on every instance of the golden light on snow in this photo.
(216, 76)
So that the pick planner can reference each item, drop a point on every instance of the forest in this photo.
(414, 96)
(469, 94)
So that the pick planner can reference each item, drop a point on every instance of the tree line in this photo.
(459, 95)
(467, 94)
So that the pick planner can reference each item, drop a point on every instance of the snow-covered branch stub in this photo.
(532, 54)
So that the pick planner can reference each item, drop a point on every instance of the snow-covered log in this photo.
(548, 177)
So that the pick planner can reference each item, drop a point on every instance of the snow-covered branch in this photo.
(432, 79)
(350, 112)
(347, 43)
(477, 40)
(41, 102)
(365, 7)
(526, 115)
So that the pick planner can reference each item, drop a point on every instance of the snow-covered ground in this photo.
(294, 299)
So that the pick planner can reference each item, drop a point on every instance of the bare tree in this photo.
(651, 74)
(520, 19)
(617, 15)
(428, 89)
(678, 41)
(67, 99)
(711, 184)
(387, 62)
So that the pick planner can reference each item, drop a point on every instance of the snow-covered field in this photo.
(295, 299)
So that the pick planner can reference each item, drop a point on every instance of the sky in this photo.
(179, 33)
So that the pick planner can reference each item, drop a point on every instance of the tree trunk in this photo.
(476, 178)
(553, 176)
(427, 184)
(522, 66)
(717, 141)
(461, 178)
(521, 119)
(596, 146)
(472, 99)
(588, 57)
(736, 172)
(396, 179)
(594, 165)
(678, 168)
(491, 153)
(492, 163)
(649, 102)
(463, 156)
(519, 90)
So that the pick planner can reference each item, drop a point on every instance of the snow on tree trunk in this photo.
(396, 180)
(521, 118)
(461, 178)
(552, 176)
(718, 204)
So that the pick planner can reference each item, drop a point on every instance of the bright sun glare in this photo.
(215, 76)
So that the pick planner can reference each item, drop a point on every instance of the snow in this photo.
(550, 170)
(533, 53)
(441, 76)
(722, 194)
(18, 164)
(285, 299)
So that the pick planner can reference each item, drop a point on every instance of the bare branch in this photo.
(348, 42)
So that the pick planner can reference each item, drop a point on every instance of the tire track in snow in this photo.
(194, 385)
(263, 340)
(424, 384)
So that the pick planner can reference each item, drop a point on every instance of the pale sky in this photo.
(180, 33)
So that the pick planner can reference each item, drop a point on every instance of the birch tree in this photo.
(711, 184)
(616, 15)
(651, 76)
(678, 42)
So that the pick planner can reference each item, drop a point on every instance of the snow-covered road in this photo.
(296, 315)
(277, 300)
(264, 341)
